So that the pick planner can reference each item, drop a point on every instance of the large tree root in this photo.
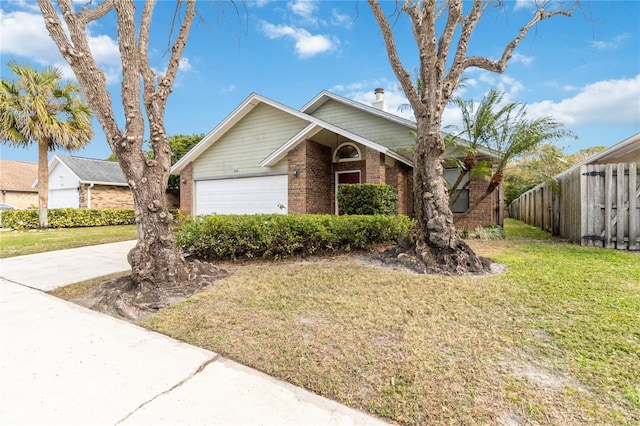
(460, 260)
(120, 297)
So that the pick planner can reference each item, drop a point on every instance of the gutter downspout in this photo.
(89, 195)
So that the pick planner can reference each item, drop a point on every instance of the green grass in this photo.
(519, 230)
(17, 243)
(553, 340)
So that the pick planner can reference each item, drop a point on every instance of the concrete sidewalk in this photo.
(62, 364)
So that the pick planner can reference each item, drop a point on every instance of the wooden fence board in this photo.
(597, 205)
(634, 213)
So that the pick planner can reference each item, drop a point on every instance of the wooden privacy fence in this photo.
(593, 205)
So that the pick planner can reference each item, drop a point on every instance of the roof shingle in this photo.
(18, 176)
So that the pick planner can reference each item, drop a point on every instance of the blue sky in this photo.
(584, 70)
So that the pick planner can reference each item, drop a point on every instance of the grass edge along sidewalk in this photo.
(553, 340)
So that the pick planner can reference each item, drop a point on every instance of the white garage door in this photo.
(242, 195)
(61, 198)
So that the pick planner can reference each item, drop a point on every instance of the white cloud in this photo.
(605, 102)
(609, 45)
(520, 58)
(185, 65)
(525, 4)
(24, 35)
(307, 44)
(304, 8)
(228, 89)
(341, 20)
(363, 92)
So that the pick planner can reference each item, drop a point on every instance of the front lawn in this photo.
(553, 340)
(17, 243)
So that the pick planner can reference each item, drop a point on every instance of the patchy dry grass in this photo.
(553, 340)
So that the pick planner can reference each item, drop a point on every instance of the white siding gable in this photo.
(241, 150)
(62, 178)
(372, 127)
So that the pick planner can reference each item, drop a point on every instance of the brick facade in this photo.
(375, 167)
(113, 197)
(20, 199)
(310, 179)
(105, 197)
(487, 212)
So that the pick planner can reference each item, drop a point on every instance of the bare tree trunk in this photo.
(157, 264)
(43, 184)
(434, 245)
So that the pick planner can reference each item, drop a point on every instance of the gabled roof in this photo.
(627, 151)
(315, 125)
(325, 96)
(18, 176)
(90, 170)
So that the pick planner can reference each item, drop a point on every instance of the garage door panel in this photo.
(242, 195)
(63, 198)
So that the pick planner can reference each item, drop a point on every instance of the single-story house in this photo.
(266, 157)
(596, 203)
(16, 183)
(79, 182)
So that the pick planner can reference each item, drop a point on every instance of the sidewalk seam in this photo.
(23, 285)
(177, 385)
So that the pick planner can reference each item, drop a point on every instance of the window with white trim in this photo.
(347, 152)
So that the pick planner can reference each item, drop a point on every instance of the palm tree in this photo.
(36, 107)
(509, 134)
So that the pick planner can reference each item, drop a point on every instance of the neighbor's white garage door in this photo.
(242, 195)
(61, 198)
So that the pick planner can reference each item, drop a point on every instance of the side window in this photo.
(461, 205)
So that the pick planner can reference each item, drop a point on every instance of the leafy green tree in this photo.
(37, 107)
(180, 145)
(540, 166)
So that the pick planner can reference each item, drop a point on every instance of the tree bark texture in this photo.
(156, 262)
(434, 245)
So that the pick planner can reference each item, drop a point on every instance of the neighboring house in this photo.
(79, 182)
(266, 157)
(16, 183)
(595, 203)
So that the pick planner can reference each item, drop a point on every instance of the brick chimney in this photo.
(379, 102)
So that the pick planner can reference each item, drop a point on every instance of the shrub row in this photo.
(67, 218)
(277, 236)
(368, 198)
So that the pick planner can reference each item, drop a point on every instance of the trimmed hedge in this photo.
(277, 236)
(67, 218)
(368, 199)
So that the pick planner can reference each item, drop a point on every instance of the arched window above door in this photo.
(347, 152)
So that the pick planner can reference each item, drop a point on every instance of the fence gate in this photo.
(610, 199)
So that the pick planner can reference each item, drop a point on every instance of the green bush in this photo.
(276, 236)
(67, 218)
(367, 199)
